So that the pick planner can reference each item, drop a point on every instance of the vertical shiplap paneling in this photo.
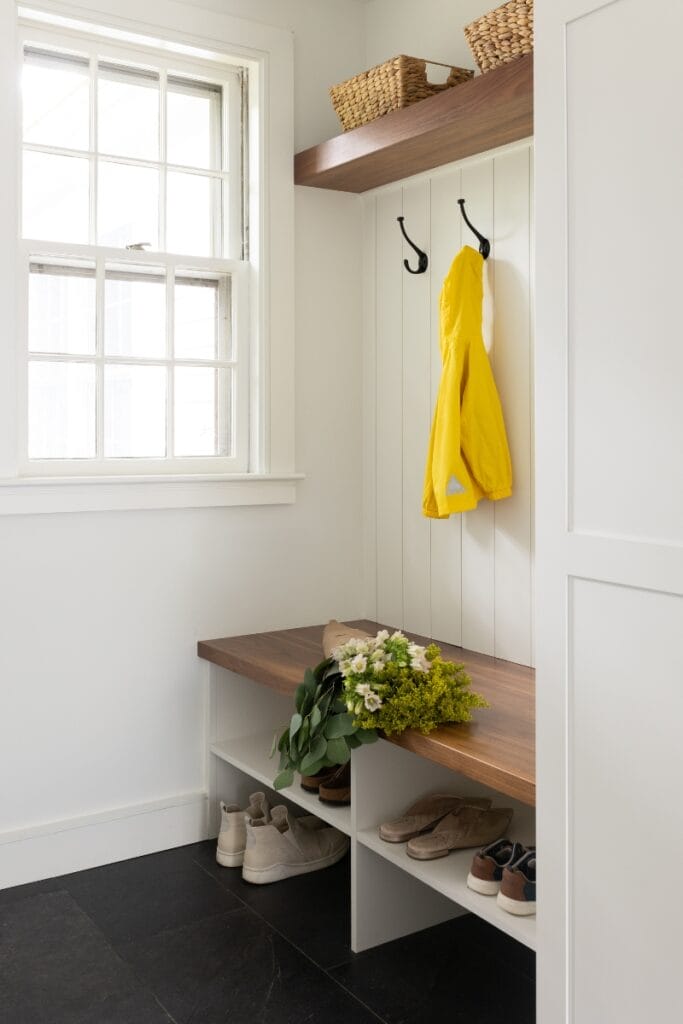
(446, 534)
(468, 580)
(511, 358)
(477, 526)
(389, 402)
(370, 448)
(416, 412)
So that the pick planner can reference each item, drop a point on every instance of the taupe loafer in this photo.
(467, 826)
(424, 815)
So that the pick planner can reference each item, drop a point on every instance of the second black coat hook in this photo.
(422, 257)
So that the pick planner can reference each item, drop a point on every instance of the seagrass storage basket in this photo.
(396, 83)
(502, 35)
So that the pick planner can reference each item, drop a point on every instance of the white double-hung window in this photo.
(134, 274)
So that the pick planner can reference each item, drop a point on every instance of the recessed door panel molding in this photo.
(625, 709)
(624, 300)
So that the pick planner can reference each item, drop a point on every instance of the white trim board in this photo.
(88, 841)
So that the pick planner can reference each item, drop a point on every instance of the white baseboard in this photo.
(60, 847)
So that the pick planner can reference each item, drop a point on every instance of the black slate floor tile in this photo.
(21, 892)
(143, 896)
(57, 968)
(439, 974)
(500, 946)
(312, 911)
(235, 968)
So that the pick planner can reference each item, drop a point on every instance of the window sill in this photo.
(41, 495)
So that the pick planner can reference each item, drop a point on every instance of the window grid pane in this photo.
(116, 404)
(151, 127)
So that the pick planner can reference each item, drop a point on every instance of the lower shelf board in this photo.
(251, 755)
(448, 875)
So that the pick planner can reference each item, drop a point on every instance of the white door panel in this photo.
(609, 510)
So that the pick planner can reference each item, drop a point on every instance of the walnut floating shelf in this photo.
(488, 111)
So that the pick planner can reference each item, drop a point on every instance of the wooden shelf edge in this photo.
(488, 111)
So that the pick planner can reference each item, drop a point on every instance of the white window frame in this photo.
(264, 285)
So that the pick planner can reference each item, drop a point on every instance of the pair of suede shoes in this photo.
(441, 822)
(271, 844)
(506, 870)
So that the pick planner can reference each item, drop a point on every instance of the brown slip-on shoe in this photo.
(312, 783)
(468, 826)
(424, 815)
(337, 789)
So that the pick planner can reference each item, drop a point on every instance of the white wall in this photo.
(466, 580)
(328, 48)
(431, 29)
(100, 699)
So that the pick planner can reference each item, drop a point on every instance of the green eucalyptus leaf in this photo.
(367, 735)
(305, 733)
(353, 742)
(274, 745)
(316, 719)
(312, 762)
(339, 707)
(338, 750)
(309, 680)
(299, 697)
(295, 725)
(284, 740)
(284, 779)
(339, 725)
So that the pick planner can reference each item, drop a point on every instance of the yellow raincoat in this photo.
(468, 455)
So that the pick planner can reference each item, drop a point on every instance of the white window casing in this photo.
(259, 468)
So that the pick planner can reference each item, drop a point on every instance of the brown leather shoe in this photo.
(468, 826)
(337, 789)
(312, 783)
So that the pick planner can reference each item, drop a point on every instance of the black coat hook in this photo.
(422, 257)
(484, 244)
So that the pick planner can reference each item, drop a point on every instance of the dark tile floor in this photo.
(174, 938)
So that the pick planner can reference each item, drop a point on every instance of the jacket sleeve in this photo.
(482, 428)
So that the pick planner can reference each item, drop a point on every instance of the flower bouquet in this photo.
(393, 684)
(386, 683)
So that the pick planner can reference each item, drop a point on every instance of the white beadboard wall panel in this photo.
(389, 401)
(477, 526)
(416, 413)
(446, 534)
(369, 214)
(512, 367)
(468, 579)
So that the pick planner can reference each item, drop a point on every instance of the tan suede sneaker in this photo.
(289, 846)
(232, 838)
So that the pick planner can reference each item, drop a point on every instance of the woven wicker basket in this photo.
(502, 35)
(396, 83)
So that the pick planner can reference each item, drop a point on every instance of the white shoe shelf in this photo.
(392, 894)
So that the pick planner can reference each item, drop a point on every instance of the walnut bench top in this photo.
(495, 748)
